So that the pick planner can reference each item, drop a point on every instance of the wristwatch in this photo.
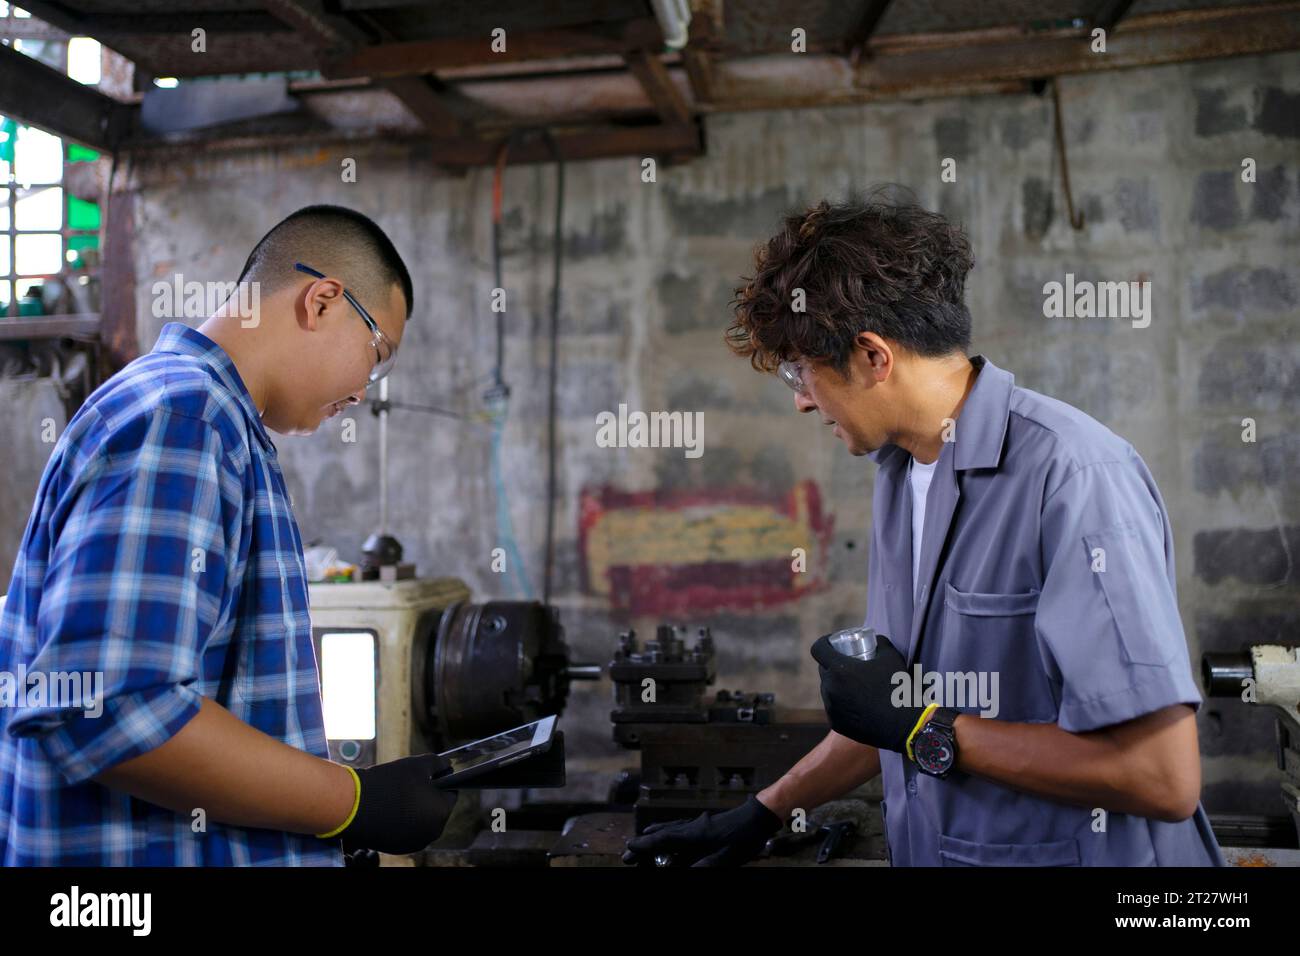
(935, 746)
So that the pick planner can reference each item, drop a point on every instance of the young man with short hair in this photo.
(162, 553)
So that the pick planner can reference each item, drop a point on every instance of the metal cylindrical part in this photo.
(583, 671)
(859, 642)
(1223, 674)
(493, 666)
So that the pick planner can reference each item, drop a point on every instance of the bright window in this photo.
(45, 231)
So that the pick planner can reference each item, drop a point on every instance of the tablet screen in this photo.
(501, 747)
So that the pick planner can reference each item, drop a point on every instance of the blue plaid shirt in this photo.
(161, 543)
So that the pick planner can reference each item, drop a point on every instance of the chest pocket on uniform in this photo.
(954, 852)
(990, 651)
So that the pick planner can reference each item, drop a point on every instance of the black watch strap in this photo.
(943, 717)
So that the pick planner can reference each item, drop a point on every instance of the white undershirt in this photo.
(919, 475)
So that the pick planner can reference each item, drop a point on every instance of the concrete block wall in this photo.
(649, 535)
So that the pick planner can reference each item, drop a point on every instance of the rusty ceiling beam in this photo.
(102, 25)
(109, 26)
(643, 42)
(578, 143)
(955, 64)
(857, 41)
(697, 57)
(419, 95)
(653, 76)
(575, 143)
(1109, 13)
(521, 69)
(428, 56)
(561, 100)
(326, 31)
(56, 15)
(34, 93)
(30, 28)
(1144, 41)
(336, 35)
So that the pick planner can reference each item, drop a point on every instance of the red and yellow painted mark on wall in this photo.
(665, 552)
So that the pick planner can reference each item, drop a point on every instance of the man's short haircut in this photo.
(879, 263)
(339, 242)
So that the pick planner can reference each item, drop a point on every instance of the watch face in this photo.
(934, 750)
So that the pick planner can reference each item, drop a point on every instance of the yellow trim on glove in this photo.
(356, 804)
(925, 715)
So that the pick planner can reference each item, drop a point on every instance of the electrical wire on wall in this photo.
(497, 397)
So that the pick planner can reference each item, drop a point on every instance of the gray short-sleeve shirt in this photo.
(1047, 560)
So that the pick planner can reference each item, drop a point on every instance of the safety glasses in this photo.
(385, 350)
(792, 374)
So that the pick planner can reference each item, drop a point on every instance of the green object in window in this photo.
(9, 129)
(81, 154)
(31, 302)
(82, 214)
(76, 244)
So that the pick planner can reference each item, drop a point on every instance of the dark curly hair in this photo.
(879, 263)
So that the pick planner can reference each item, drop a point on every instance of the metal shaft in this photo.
(383, 456)
(1223, 674)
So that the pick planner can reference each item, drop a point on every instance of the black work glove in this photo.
(729, 838)
(857, 695)
(400, 810)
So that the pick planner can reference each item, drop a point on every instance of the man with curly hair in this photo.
(1017, 546)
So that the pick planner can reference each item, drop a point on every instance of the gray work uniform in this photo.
(1047, 557)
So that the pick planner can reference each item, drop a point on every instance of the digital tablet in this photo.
(493, 753)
